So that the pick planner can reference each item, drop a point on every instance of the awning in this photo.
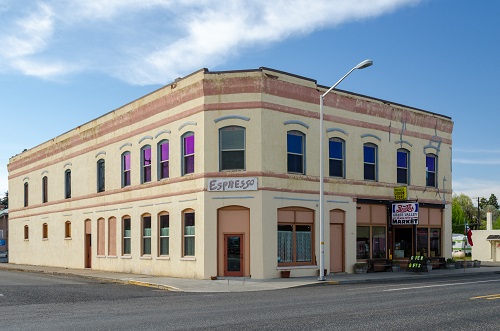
(493, 237)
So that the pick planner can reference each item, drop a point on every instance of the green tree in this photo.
(462, 210)
(493, 201)
(5, 201)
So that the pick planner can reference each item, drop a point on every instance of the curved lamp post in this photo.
(361, 65)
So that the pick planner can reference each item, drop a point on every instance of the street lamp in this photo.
(361, 65)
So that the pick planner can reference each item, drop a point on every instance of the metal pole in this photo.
(361, 65)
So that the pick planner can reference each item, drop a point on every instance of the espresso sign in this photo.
(405, 213)
(232, 184)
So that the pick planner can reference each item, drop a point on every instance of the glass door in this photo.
(233, 255)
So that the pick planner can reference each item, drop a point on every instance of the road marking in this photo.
(487, 297)
(440, 285)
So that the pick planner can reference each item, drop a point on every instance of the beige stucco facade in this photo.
(268, 104)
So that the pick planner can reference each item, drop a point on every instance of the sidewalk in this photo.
(234, 284)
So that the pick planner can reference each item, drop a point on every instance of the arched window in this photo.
(163, 159)
(336, 157)
(146, 164)
(26, 194)
(101, 175)
(126, 179)
(370, 161)
(45, 231)
(164, 234)
(67, 229)
(45, 189)
(189, 232)
(101, 246)
(126, 235)
(403, 166)
(232, 148)
(146, 235)
(188, 153)
(26, 232)
(431, 170)
(67, 184)
(295, 152)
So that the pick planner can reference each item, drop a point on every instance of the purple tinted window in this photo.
(164, 156)
(188, 153)
(126, 169)
(146, 164)
(126, 162)
(189, 145)
(146, 154)
(164, 151)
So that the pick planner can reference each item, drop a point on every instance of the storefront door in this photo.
(233, 255)
(403, 242)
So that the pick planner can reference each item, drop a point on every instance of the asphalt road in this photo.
(30, 301)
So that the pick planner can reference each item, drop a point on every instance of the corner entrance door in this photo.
(233, 255)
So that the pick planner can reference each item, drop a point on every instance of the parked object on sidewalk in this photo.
(450, 263)
(360, 267)
(477, 264)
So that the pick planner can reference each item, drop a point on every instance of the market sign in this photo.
(232, 184)
(405, 213)
(400, 193)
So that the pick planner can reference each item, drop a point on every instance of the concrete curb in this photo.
(154, 285)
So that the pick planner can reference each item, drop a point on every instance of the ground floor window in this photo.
(295, 237)
(371, 242)
(126, 236)
(429, 242)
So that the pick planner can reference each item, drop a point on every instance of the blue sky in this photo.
(65, 62)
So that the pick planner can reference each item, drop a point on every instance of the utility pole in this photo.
(478, 213)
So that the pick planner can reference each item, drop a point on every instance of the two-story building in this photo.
(217, 174)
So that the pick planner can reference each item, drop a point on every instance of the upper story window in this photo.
(45, 189)
(101, 175)
(126, 179)
(163, 159)
(67, 184)
(336, 155)
(403, 166)
(26, 194)
(370, 161)
(295, 152)
(431, 170)
(146, 164)
(188, 153)
(232, 148)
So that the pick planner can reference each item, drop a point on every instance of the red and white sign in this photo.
(405, 213)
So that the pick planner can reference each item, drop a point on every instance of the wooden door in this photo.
(337, 248)
(88, 245)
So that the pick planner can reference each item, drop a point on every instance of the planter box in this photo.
(285, 273)
(361, 269)
(477, 264)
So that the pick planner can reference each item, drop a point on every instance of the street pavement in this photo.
(240, 284)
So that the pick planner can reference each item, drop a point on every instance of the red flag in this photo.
(469, 236)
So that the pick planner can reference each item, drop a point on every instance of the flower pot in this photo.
(477, 264)
(360, 268)
(285, 273)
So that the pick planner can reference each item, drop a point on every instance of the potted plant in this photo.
(477, 263)
(396, 266)
(429, 265)
(285, 273)
(450, 263)
(360, 267)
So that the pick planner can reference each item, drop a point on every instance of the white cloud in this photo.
(477, 161)
(155, 41)
(474, 187)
